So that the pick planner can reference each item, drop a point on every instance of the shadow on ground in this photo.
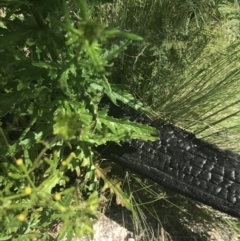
(177, 219)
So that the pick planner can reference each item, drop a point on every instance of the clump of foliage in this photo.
(54, 65)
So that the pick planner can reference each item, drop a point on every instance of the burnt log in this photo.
(180, 162)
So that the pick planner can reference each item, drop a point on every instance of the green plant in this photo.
(54, 67)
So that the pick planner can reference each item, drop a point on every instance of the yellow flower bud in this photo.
(57, 196)
(21, 217)
(64, 163)
(28, 190)
(19, 161)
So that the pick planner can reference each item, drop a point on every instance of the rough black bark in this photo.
(181, 162)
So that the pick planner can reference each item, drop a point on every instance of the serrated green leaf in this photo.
(131, 129)
(115, 50)
(45, 65)
(8, 101)
(129, 99)
(47, 185)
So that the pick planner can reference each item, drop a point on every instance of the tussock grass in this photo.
(187, 71)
